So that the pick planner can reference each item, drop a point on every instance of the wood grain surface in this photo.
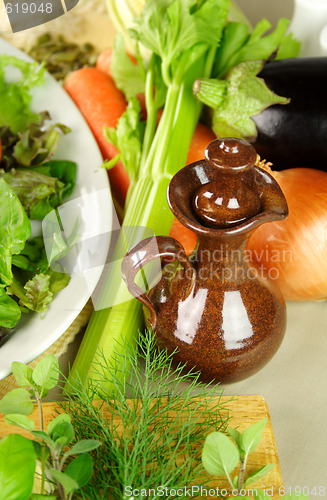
(244, 411)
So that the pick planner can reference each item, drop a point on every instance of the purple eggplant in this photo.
(295, 134)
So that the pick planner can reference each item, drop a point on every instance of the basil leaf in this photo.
(251, 436)
(219, 454)
(17, 467)
(16, 401)
(46, 372)
(21, 421)
(80, 469)
(22, 373)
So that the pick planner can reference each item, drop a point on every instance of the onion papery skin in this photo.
(294, 251)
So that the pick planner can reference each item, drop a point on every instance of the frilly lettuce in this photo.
(15, 96)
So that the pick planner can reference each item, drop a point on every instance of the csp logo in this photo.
(29, 13)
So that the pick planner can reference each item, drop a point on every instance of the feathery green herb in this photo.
(153, 439)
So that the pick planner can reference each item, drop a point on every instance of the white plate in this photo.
(90, 203)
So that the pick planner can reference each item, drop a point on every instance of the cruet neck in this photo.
(226, 196)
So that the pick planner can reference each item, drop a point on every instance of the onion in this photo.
(294, 251)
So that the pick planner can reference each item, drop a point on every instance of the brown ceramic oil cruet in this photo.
(222, 316)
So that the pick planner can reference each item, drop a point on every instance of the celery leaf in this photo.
(129, 77)
(239, 45)
(169, 28)
(128, 138)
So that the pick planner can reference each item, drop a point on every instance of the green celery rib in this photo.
(147, 207)
(109, 325)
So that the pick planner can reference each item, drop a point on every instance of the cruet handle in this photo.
(146, 251)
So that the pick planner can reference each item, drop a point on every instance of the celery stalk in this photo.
(147, 207)
(185, 39)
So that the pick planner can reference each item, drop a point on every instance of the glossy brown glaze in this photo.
(225, 318)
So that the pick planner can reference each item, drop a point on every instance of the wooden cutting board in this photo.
(244, 411)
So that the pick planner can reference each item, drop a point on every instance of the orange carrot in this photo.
(104, 61)
(103, 64)
(200, 140)
(101, 104)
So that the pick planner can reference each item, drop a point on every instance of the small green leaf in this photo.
(17, 467)
(63, 433)
(80, 469)
(236, 436)
(235, 481)
(16, 401)
(219, 455)
(42, 451)
(63, 417)
(43, 436)
(46, 372)
(20, 420)
(258, 474)
(84, 446)
(69, 484)
(251, 436)
(23, 374)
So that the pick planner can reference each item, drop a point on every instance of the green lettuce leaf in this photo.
(33, 257)
(32, 187)
(15, 229)
(9, 310)
(64, 170)
(33, 146)
(16, 97)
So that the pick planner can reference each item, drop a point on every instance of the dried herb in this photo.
(61, 57)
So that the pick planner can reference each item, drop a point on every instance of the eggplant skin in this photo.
(295, 134)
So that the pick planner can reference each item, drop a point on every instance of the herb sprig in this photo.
(20, 456)
(221, 456)
(154, 438)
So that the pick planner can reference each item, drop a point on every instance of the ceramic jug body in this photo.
(216, 312)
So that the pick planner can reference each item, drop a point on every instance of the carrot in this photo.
(101, 104)
(103, 64)
(200, 140)
(104, 61)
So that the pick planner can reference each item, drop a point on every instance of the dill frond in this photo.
(152, 427)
